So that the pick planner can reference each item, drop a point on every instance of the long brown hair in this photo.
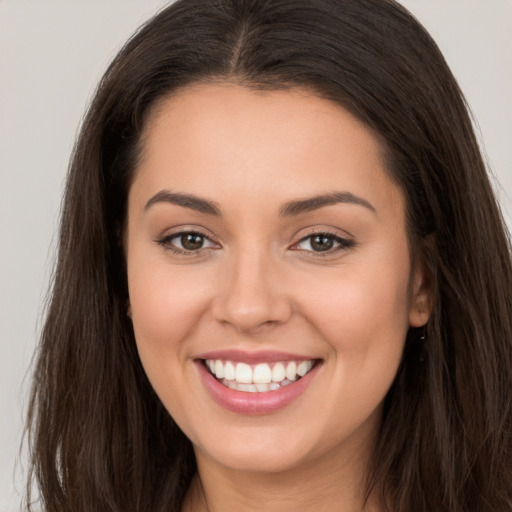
(100, 438)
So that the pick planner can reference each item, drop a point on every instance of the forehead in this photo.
(226, 141)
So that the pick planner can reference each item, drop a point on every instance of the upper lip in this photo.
(264, 356)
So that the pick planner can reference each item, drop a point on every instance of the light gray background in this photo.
(52, 53)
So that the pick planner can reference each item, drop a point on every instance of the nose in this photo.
(252, 296)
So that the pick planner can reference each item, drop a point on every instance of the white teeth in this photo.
(250, 388)
(243, 373)
(304, 367)
(278, 372)
(291, 371)
(262, 374)
(261, 378)
(219, 369)
(229, 371)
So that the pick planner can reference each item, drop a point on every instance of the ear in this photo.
(421, 291)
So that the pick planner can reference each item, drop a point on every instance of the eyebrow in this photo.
(292, 208)
(185, 200)
(314, 203)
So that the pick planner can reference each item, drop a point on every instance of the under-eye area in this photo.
(258, 378)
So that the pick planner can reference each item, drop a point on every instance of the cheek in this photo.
(364, 322)
(167, 307)
(361, 301)
(363, 317)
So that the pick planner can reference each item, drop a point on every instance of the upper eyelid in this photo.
(324, 230)
(173, 232)
(181, 233)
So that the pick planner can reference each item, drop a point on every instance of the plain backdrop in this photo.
(52, 53)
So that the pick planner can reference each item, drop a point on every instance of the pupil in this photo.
(322, 243)
(191, 241)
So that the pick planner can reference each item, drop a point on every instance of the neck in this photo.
(323, 485)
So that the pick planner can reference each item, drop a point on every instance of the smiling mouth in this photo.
(258, 378)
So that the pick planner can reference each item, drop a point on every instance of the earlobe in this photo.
(422, 295)
(420, 311)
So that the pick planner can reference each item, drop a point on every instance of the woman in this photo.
(283, 279)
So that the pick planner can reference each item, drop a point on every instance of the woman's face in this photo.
(270, 282)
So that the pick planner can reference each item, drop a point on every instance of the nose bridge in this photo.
(251, 295)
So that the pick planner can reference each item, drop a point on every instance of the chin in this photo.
(259, 449)
(263, 460)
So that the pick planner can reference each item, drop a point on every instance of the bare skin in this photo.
(271, 269)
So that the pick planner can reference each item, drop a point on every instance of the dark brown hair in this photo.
(100, 438)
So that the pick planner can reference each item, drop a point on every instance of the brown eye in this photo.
(186, 242)
(191, 241)
(324, 242)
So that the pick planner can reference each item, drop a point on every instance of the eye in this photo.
(187, 241)
(323, 242)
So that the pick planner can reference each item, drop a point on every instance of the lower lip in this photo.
(243, 402)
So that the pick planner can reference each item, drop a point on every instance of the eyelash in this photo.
(343, 243)
(166, 242)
